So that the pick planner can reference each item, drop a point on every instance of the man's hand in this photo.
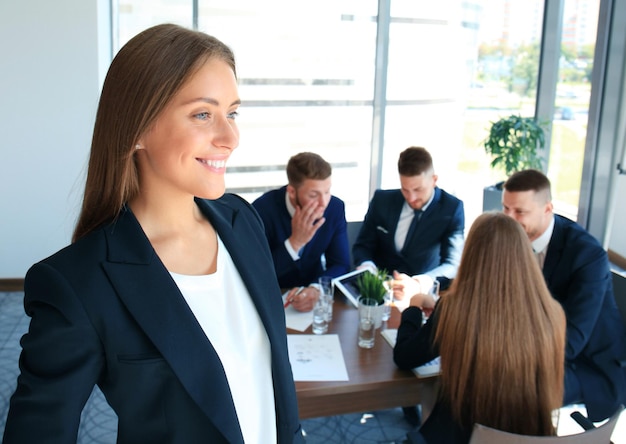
(305, 223)
(408, 291)
(303, 299)
(404, 286)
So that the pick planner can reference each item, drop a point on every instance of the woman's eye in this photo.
(233, 115)
(202, 116)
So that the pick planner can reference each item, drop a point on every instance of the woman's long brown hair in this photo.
(501, 334)
(143, 77)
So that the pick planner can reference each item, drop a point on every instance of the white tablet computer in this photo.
(347, 284)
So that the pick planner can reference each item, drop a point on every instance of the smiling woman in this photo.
(137, 304)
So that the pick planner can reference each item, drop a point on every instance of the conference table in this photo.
(375, 383)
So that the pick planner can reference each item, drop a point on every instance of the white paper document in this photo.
(297, 320)
(316, 358)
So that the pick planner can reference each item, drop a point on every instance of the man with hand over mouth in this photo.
(306, 229)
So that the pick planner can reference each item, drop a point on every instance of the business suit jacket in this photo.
(330, 240)
(576, 270)
(106, 311)
(437, 241)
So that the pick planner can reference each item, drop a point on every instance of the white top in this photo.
(226, 313)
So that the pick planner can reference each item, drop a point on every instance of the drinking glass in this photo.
(320, 316)
(388, 297)
(367, 320)
(434, 291)
(326, 292)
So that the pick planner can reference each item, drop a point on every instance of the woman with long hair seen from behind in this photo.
(158, 300)
(500, 336)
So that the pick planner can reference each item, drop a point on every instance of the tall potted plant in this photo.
(513, 143)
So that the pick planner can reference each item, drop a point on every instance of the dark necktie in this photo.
(417, 215)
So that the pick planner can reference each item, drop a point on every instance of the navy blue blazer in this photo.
(576, 270)
(330, 240)
(106, 311)
(437, 240)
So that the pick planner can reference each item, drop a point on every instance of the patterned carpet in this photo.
(99, 423)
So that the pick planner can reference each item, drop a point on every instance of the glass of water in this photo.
(388, 297)
(367, 320)
(320, 316)
(326, 292)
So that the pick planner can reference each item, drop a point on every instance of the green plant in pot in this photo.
(371, 285)
(514, 143)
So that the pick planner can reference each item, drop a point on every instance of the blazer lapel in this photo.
(393, 211)
(252, 259)
(151, 296)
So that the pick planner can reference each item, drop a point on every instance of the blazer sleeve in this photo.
(414, 343)
(582, 298)
(451, 246)
(60, 363)
(337, 253)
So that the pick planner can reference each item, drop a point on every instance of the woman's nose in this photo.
(227, 134)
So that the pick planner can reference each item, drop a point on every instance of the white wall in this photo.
(49, 87)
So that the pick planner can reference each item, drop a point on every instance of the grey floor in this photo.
(99, 423)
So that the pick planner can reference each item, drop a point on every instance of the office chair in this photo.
(353, 229)
(595, 435)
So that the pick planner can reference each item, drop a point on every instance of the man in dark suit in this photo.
(416, 230)
(306, 229)
(576, 270)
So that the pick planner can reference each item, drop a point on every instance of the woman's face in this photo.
(187, 148)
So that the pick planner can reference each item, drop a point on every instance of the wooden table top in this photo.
(375, 383)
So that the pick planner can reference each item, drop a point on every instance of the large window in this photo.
(306, 75)
(306, 80)
(308, 72)
(569, 128)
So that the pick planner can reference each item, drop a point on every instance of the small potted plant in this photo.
(371, 286)
(513, 143)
